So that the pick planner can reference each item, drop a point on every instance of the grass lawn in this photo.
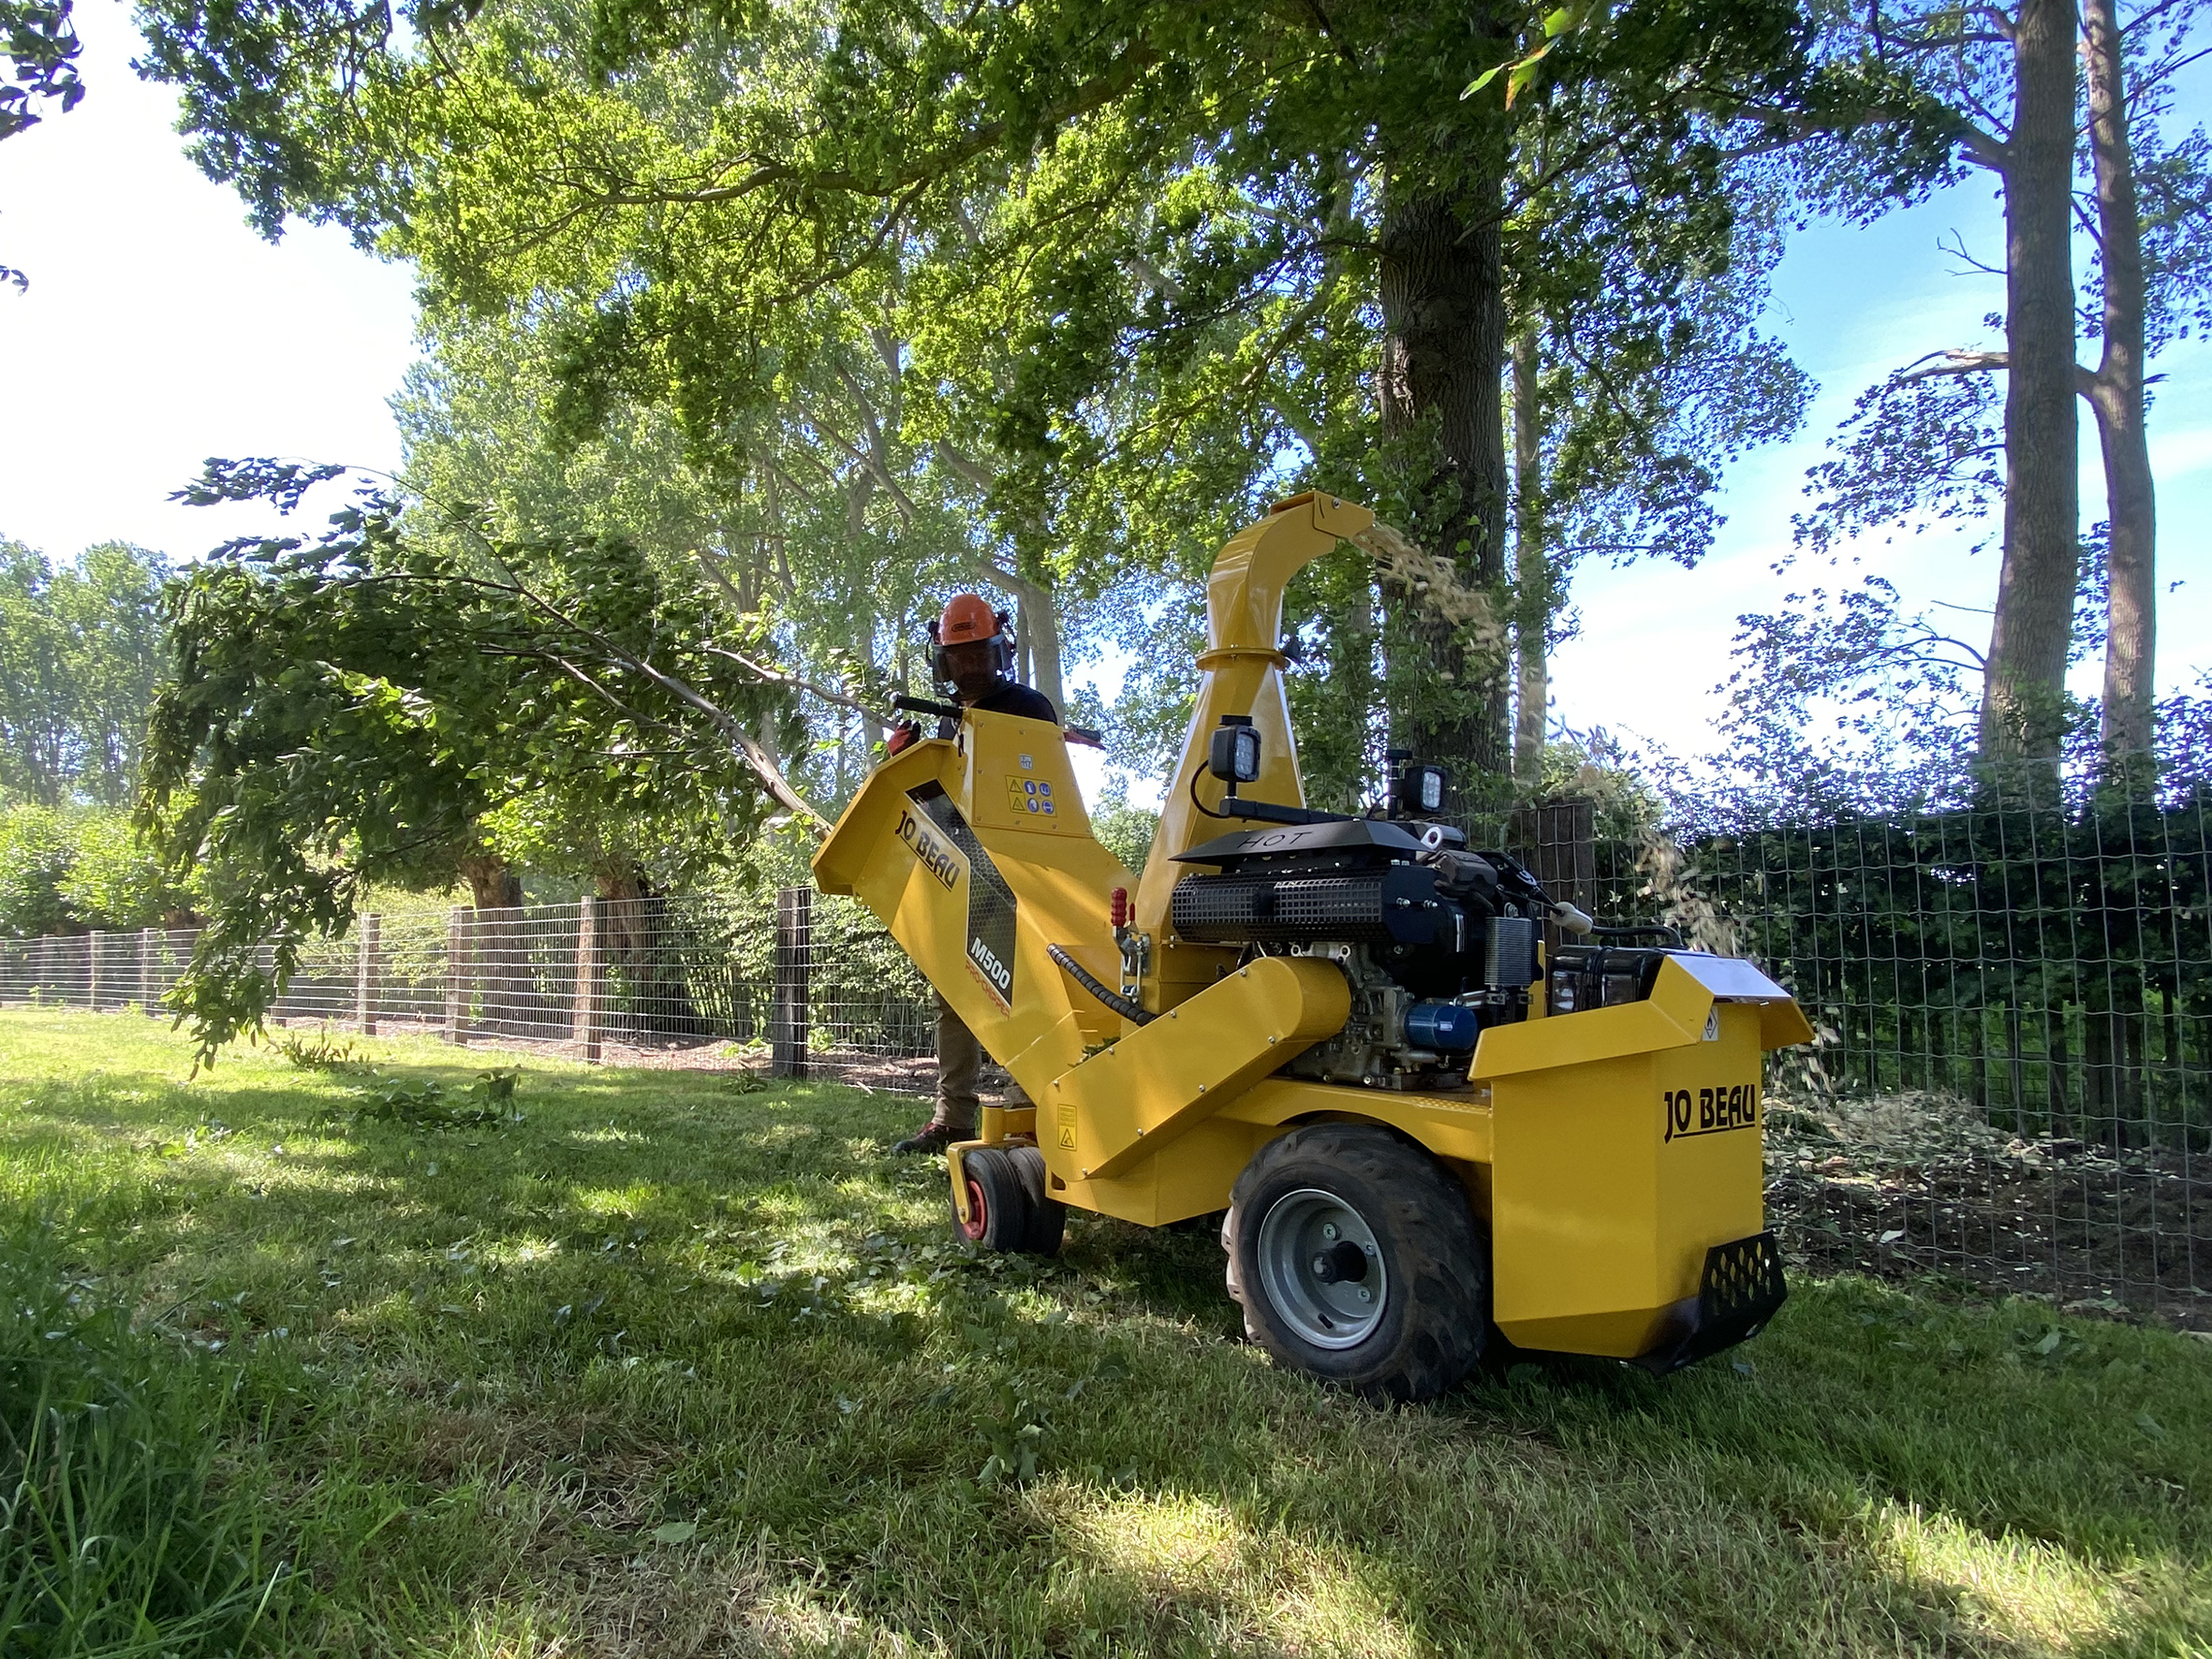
(666, 1367)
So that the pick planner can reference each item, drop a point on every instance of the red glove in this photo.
(901, 736)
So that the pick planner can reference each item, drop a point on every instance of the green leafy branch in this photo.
(1556, 25)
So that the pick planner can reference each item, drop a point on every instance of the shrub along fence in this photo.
(2011, 1085)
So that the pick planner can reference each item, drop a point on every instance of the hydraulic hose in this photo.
(1112, 1000)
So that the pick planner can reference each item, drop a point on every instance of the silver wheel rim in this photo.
(1299, 1229)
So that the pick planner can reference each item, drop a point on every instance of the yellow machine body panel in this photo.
(976, 892)
(1131, 1101)
(1609, 1150)
(1625, 1145)
(1240, 672)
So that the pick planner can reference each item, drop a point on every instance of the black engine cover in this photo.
(1395, 905)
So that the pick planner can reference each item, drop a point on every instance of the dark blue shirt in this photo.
(1017, 699)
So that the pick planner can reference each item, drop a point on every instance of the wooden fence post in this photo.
(364, 985)
(146, 971)
(584, 1019)
(456, 970)
(794, 951)
(92, 970)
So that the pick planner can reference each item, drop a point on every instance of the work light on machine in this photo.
(1234, 757)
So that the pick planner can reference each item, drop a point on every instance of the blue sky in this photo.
(159, 331)
(1852, 304)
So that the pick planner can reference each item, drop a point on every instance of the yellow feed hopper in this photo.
(1429, 1142)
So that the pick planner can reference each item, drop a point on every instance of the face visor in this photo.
(976, 668)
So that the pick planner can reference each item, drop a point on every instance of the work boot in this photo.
(932, 1137)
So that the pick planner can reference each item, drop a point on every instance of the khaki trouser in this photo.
(960, 1061)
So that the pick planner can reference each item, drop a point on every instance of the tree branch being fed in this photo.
(769, 674)
(763, 766)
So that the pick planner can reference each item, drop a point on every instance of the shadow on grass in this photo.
(666, 1364)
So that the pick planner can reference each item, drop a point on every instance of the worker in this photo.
(974, 657)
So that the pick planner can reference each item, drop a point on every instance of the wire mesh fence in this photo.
(2010, 1087)
(2012, 1079)
(797, 982)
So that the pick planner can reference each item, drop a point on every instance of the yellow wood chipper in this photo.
(1432, 1145)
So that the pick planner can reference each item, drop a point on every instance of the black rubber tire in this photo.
(1048, 1217)
(993, 1181)
(1436, 1318)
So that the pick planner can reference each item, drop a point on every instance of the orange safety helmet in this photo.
(970, 622)
(968, 616)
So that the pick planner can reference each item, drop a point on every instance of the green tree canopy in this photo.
(82, 650)
(1075, 286)
(347, 708)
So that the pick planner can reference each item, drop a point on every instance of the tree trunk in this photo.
(2024, 684)
(1443, 351)
(1036, 623)
(492, 885)
(503, 977)
(637, 941)
(2116, 395)
(1532, 572)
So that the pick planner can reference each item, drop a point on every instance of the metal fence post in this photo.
(364, 985)
(92, 970)
(794, 951)
(456, 970)
(145, 970)
(1560, 839)
(584, 1018)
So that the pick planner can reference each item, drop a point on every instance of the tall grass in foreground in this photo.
(114, 1539)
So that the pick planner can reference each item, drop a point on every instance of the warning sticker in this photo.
(1030, 795)
(1067, 1126)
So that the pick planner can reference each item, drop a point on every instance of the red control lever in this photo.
(1120, 911)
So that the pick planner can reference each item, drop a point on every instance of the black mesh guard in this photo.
(1741, 1288)
(1370, 906)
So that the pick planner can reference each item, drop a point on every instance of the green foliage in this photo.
(421, 1103)
(116, 881)
(38, 50)
(1593, 766)
(346, 710)
(115, 1539)
(38, 43)
(2038, 949)
(35, 855)
(1122, 826)
(324, 1053)
(63, 871)
(81, 652)
(833, 568)
(1052, 296)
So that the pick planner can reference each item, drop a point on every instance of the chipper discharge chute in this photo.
(1430, 1141)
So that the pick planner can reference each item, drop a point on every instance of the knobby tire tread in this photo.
(1048, 1219)
(1437, 1336)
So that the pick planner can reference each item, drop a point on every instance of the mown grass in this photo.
(669, 1368)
